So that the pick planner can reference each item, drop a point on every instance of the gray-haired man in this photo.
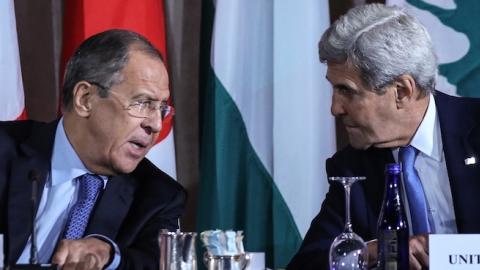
(382, 67)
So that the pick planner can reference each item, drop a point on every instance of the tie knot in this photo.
(90, 185)
(407, 156)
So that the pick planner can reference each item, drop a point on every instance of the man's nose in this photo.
(153, 122)
(337, 108)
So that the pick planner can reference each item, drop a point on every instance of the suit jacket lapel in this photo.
(113, 206)
(459, 137)
(36, 154)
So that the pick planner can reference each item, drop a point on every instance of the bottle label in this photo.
(390, 249)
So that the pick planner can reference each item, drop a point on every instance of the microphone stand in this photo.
(33, 176)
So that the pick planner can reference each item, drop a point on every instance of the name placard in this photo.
(454, 251)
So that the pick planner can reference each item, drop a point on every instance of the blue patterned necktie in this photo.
(414, 191)
(90, 186)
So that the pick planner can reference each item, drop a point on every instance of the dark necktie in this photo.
(90, 186)
(417, 202)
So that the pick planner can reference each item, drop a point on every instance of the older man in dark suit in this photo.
(101, 203)
(383, 68)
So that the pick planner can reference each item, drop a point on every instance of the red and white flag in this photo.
(12, 100)
(84, 18)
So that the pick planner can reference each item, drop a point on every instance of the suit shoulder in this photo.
(463, 104)
(346, 154)
(13, 133)
(351, 161)
(341, 160)
(15, 130)
(349, 154)
(149, 173)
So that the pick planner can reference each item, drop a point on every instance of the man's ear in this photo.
(405, 90)
(83, 92)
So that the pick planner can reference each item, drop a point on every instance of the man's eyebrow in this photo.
(343, 85)
(145, 96)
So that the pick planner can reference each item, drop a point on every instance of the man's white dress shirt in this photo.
(59, 195)
(432, 170)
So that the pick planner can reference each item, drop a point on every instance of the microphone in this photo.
(34, 176)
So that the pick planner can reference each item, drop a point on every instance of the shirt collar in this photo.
(66, 165)
(428, 138)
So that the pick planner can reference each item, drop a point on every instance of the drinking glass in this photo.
(348, 250)
(226, 262)
(177, 250)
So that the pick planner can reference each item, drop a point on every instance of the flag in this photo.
(266, 126)
(84, 18)
(12, 100)
(454, 30)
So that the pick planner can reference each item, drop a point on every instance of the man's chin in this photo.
(363, 145)
(359, 145)
(388, 144)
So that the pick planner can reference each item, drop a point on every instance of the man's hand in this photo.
(372, 246)
(418, 246)
(86, 253)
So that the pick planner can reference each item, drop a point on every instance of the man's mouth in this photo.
(140, 144)
(349, 126)
(347, 123)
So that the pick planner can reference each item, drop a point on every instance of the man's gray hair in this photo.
(382, 43)
(101, 58)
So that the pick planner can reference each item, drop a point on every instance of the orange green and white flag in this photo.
(266, 125)
(12, 99)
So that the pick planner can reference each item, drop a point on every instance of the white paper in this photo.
(454, 251)
(1, 251)
(257, 261)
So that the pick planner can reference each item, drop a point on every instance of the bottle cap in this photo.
(393, 168)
